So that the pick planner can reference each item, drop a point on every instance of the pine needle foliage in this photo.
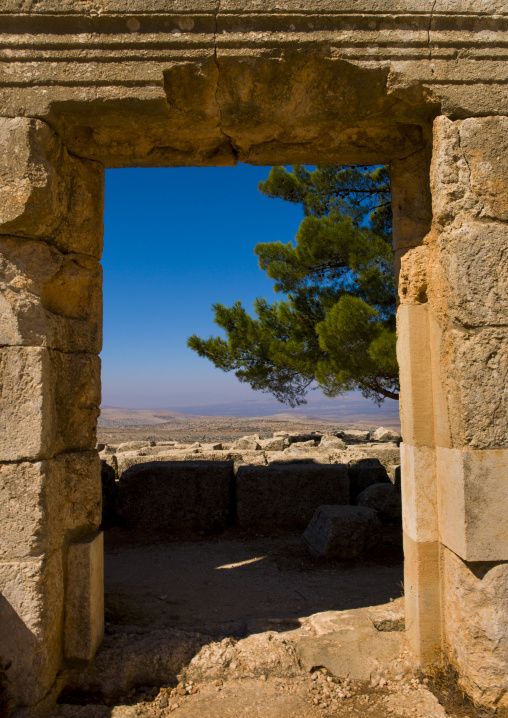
(335, 327)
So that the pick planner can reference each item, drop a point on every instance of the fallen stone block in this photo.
(385, 499)
(247, 443)
(364, 473)
(331, 443)
(276, 443)
(298, 438)
(350, 645)
(383, 434)
(133, 445)
(287, 494)
(395, 475)
(354, 435)
(343, 532)
(177, 496)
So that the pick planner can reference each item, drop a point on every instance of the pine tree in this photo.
(336, 325)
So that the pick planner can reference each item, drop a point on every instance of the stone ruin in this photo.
(270, 483)
(418, 84)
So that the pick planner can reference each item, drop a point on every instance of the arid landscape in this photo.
(118, 425)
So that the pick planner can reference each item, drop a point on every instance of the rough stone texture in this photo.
(287, 494)
(276, 443)
(331, 443)
(177, 496)
(476, 624)
(383, 434)
(49, 402)
(84, 604)
(349, 645)
(46, 502)
(343, 532)
(385, 499)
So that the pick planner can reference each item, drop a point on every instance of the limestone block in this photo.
(411, 267)
(473, 510)
(343, 532)
(27, 406)
(413, 354)
(47, 193)
(419, 492)
(422, 597)
(288, 494)
(49, 402)
(32, 191)
(48, 298)
(474, 267)
(43, 502)
(411, 199)
(84, 599)
(177, 496)
(329, 443)
(476, 625)
(31, 615)
(385, 499)
(484, 142)
(474, 376)
(275, 443)
(383, 434)
(469, 169)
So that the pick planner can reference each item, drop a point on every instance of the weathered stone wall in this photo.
(110, 83)
(50, 496)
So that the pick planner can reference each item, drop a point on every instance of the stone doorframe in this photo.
(88, 84)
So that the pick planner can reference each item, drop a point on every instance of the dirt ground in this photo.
(237, 583)
(243, 584)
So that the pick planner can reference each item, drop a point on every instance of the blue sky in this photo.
(177, 240)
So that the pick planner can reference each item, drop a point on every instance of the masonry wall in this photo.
(51, 333)
(453, 324)
(107, 83)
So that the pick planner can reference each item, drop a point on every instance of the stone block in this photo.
(484, 143)
(331, 443)
(27, 406)
(49, 402)
(343, 532)
(411, 199)
(385, 499)
(363, 473)
(44, 502)
(422, 598)
(32, 194)
(419, 492)
(288, 494)
(384, 434)
(177, 496)
(84, 599)
(474, 273)
(473, 508)
(276, 443)
(475, 616)
(47, 193)
(413, 354)
(48, 298)
(474, 375)
(31, 615)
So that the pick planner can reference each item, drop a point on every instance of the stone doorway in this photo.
(219, 85)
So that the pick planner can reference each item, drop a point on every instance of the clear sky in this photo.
(177, 240)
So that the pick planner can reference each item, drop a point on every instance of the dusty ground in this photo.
(249, 585)
(234, 584)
